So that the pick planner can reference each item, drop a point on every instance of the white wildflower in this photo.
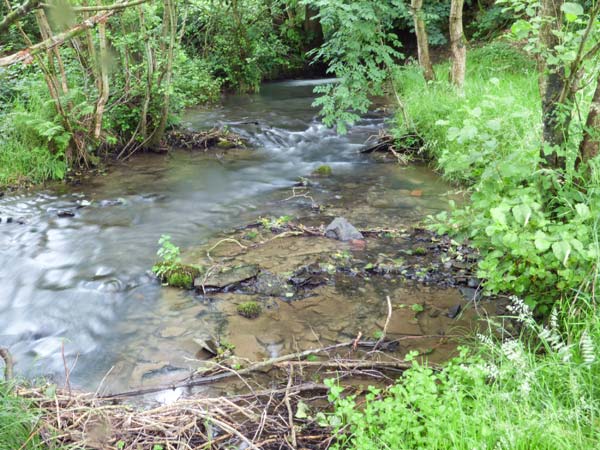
(484, 339)
(521, 310)
(554, 319)
(587, 348)
(525, 387)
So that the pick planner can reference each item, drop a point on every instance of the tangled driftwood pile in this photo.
(280, 417)
(203, 140)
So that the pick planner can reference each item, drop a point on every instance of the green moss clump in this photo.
(182, 280)
(177, 275)
(420, 251)
(323, 171)
(250, 310)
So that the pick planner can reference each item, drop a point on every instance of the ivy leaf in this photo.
(522, 214)
(562, 250)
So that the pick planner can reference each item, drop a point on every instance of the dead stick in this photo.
(385, 326)
(289, 408)
(8, 363)
(355, 364)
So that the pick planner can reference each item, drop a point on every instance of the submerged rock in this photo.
(227, 277)
(272, 285)
(342, 230)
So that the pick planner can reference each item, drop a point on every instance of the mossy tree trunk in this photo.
(416, 7)
(457, 44)
(552, 84)
(590, 145)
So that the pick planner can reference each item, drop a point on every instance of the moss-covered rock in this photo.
(177, 275)
(180, 279)
(323, 171)
(250, 310)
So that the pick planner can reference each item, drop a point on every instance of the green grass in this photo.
(17, 422)
(501, 85)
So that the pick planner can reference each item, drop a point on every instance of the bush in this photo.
(32, 141)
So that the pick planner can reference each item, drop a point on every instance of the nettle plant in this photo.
(170, 257)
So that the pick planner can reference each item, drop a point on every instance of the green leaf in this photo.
(561, 250)
(542, 241)
(521, 28)
(498, 214)
(302, 411)
(583, 211)
(571, 10)
(522, 214)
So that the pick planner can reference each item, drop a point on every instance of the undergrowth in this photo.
(536, 229)
(536, 390)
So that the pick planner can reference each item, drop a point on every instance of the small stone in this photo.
(65, 213)
(454, 311)
(342, 230)
(9, 220)
(473, 282)
(416, 193)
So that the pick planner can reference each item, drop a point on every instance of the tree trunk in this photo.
(457, 43)
(416, 7)
(590, 145)
(555, 127)
(312, 28)
(170, 33)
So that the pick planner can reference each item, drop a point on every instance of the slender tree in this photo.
(590, 145)
(416, 8)
(457, 44)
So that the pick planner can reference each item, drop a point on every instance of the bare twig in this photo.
(387, 322)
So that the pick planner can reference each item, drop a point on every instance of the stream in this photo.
(75, 282)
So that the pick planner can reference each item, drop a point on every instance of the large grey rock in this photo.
(342, 230)
(228, 276)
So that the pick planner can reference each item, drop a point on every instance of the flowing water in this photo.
(77, 291)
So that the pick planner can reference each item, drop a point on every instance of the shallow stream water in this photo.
(77, 291)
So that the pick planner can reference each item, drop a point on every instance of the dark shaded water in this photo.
(82, 282)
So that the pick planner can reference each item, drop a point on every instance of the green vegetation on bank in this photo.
(114, 88)
(17, 421)
(488, 140)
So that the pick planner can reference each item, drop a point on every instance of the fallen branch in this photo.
(18, 13)
(198, 381)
